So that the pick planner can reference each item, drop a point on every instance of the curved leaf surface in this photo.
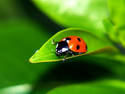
(86, 14)
(47, 51)
(102, 87)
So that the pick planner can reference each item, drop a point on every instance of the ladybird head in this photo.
(61, 48)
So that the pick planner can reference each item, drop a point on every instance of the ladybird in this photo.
(70, 45)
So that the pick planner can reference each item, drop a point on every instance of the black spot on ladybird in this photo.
(86, 47)
(79, 39)
(68, 38)
(77, 47)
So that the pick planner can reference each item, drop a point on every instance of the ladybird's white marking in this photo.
(67, 41)
(64, 39)
(70, 46)
(57, 45)
(64, 49)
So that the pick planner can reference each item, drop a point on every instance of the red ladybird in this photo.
(70, 45)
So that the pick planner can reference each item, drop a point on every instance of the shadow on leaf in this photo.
(71, 72)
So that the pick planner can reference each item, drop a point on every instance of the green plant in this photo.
(99, 23)
(101, 70)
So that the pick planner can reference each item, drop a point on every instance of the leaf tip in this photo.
(31, 60)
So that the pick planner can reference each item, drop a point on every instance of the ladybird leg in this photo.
(80, 53)
(64, 59)
(71, 53)
(53, 42)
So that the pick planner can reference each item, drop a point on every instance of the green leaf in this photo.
(86, 14)
(117, 16)
(121, 37)
(76, 71)
(117, 12)
(111, 30)
(19, 89)
(19, 38)
(47, 51)
(97, 87)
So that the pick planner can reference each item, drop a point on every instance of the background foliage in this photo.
(26, 25)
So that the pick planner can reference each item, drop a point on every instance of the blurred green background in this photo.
(24, 28)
